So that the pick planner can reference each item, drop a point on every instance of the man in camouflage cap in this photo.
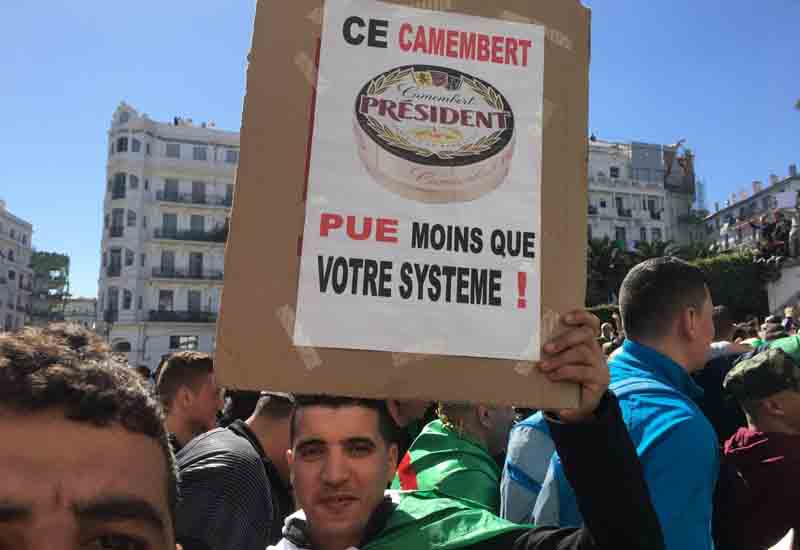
(759, 485)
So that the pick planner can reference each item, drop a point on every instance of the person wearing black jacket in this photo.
(343, 456)
(234, 482)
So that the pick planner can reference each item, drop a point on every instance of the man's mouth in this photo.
(338, 502)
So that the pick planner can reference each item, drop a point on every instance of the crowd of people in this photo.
(686, 437)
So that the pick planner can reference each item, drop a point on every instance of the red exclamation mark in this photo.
(521, 284)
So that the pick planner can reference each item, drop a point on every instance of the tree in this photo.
(697, 251)
(656, 249)
(606, 265)
(797, 105)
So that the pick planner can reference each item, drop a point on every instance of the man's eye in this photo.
(311, 452)
(360, 449)
(116, 542)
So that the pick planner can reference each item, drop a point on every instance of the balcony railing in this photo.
(114, 271)
(624, 212)
(592, 210)
(183, 316)
(655, 215)
(190, 198)
(116, 231)
(215, 236)
(187, 274)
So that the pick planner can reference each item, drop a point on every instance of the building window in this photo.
(231, 156)
(136, 145)
(12, 275)
(656, 234)
(12, 233)
(144, 222)
(165, 298)
(642, 174)
(124, 116)
(199, 153)
(173, 150)
(105, 259)
(139, 303)
(122, 145)
(614, 172)
(118, 188)
(589, 231)
(131, 218)
(133, 182)
(127, 299)
(184, 342)
(146, 185)
(130, 257)
(197, 223)
(146, 148)
(10, 255)
(619, 235)
(603, 203)
(643, 234)
(142, 259)
(24, 239)
(195, 300)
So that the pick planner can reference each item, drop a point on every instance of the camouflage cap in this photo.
(763, 375)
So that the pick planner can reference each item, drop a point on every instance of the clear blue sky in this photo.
(723, 75)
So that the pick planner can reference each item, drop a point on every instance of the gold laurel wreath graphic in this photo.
(386, 81)
(489, 94)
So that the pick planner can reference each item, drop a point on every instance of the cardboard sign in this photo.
(423, 204)
(410, 217)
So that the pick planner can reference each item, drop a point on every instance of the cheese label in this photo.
(422, 228)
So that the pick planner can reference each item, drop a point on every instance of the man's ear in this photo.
(688, 322)
(392, 455)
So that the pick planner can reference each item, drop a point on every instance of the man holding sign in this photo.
(343, 457)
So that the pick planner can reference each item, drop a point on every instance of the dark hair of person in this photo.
(277, 406)
(655, 292)
(67, 367)
(185, 368)
(386, 426)
(239, 405)
(723, 323)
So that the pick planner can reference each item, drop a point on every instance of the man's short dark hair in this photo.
(386, 426)
(277, 406)
(723, 322)
(185, 368)
(655, 292)
(68, 367)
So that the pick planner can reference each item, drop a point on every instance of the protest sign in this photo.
(428, 167)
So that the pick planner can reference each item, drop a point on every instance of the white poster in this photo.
(423, 200)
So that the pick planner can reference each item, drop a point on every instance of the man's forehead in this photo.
(46, 455)
(336, 423)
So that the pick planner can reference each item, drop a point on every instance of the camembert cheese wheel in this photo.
(434, 134)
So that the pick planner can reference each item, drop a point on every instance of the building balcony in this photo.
(182, 317)
(115, 232)
(215, 236)
(592, 210)
(114, 271)
(208, 275)
(194, 200)
(655, 215)
(624, 213)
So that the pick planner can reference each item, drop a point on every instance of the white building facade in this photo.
(729, 227)
(640, 192)
(167, 202)
(82, 311)
(16, 275)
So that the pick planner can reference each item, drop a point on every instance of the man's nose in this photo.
(336, 469)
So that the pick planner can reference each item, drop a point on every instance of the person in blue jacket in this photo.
(667, 313)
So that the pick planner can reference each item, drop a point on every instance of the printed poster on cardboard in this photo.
(422, 228)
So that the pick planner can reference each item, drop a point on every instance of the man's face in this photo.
(68, 485)
(340, 466)
(790, 405)
(206, 403)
